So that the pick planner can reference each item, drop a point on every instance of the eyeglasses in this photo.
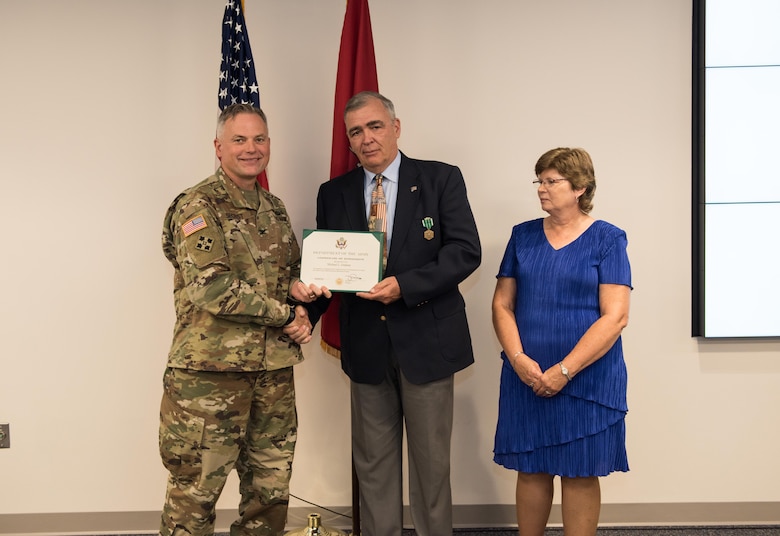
(547, 182)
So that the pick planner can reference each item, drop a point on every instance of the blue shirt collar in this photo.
(390, 173)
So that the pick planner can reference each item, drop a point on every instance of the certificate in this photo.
(343, 261)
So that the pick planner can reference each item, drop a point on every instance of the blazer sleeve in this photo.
(459, 253)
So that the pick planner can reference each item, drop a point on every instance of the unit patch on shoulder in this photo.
(195, 224)
(204, 243)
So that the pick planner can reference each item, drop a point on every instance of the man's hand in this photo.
(386, 291)
(302, 293)
(300, 329)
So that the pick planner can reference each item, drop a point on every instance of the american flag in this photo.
(195, 224)
(237, 80)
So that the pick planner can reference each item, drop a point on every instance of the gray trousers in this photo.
(379, 413)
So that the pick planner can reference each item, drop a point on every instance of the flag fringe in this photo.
(335, 352)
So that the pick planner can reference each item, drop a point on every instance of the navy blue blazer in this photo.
(427, 328)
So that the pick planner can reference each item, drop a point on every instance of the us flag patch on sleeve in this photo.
(195, 224)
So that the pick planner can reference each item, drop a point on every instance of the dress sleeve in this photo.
(508, 267)
(614, 267)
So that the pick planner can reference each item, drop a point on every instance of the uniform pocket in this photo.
(181, 441)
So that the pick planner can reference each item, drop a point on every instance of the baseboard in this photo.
(634, 515)
(464, 516)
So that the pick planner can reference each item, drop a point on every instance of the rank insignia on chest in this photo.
(204, 243)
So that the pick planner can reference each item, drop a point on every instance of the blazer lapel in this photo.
(354, 201)
(409, 187)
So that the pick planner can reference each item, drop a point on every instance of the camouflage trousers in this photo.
(211, 422)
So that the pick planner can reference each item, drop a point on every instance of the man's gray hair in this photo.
(362, 99)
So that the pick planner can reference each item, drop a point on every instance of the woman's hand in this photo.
(527, 369)
(551, 382)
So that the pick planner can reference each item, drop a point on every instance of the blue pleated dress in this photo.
(580, 431)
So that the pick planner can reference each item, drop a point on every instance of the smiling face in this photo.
(244, 148)
(373, 135)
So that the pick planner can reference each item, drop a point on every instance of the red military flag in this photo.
(356, 73)
(237, 80)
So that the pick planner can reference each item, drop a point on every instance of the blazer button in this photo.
(382, 318)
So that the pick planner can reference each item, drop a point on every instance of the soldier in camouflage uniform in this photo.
(229, 397)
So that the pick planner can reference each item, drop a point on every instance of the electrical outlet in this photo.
(5, 435)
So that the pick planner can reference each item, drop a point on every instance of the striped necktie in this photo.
(377, 220)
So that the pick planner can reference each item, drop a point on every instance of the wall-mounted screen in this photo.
(736, 150)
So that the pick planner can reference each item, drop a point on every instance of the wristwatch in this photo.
(292, 301)
(291, 317)
(565, 371)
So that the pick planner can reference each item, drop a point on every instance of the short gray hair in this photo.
(362, 98)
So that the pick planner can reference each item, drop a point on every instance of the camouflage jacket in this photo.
(234, 262)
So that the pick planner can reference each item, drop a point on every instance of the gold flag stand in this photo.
(315, 528)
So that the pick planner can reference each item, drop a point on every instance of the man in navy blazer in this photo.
(402, 341)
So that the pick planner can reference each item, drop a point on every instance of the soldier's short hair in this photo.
(237, 109)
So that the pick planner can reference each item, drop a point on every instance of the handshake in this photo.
(299, 328)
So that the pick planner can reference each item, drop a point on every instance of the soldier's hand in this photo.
(300, 329)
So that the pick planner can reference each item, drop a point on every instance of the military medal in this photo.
(427, 222)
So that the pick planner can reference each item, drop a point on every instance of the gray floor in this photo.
(638, 531)
(631, 531)
(615, 531)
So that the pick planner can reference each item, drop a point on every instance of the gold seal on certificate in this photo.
(343, 261)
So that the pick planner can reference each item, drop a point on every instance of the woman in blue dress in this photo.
(560, 305)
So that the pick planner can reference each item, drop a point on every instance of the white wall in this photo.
(108, 111)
